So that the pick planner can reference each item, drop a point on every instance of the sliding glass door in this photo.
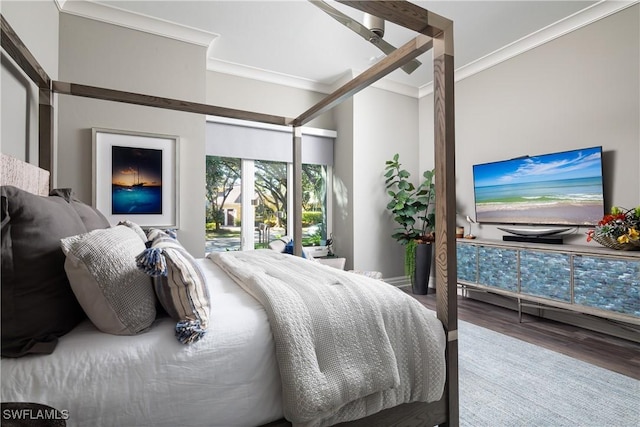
(248, 203)
(249, 177)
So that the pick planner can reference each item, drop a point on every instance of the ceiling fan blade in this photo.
(363, 32)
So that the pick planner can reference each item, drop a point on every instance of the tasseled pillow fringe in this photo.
(152, 262)
(189, 331)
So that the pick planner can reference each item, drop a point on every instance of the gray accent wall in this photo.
(579, 90)
(99, 54)
(37, 27)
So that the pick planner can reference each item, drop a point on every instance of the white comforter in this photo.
(347, 346)
(229, 378)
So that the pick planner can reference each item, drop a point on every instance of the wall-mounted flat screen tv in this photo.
(563, 188)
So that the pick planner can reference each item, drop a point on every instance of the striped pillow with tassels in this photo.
(179, 284)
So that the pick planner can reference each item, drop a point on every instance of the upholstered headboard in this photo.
(23, 175)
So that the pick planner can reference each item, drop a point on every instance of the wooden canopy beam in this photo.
(395, 60)
(12, 44)
(166, 103)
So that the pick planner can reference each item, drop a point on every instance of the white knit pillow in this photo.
(101, 267)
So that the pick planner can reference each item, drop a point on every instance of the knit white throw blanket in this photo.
(347, 346)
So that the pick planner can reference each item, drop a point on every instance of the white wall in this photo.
(343, 178)
(384, 123)
(105, 55)
(229, 91)
(37, 27)
(580, 90)
(36, 23)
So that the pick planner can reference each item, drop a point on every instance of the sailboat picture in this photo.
(136, 180)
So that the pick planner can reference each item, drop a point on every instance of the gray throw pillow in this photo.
(101, 266)
(92, 218)
(38, 304)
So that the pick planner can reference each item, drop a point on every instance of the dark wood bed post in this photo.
(45, 131)
(446, 269)
(297, 190)
(422, 21)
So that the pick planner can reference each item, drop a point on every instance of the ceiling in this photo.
(294, 39)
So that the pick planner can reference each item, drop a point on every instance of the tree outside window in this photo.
(224, 177)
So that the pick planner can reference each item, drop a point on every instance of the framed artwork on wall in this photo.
(135, 177)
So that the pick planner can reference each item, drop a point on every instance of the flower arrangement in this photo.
(618, 230)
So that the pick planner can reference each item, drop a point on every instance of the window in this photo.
(267, 210)
(248, 175)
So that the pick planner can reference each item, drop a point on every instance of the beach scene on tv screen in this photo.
(559, 188)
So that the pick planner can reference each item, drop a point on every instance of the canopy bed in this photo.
(435, 32)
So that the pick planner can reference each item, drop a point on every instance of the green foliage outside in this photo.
(224, 174)
(311, 218)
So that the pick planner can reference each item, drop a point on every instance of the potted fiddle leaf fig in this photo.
(413, 208)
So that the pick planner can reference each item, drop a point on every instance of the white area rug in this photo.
(508, 382)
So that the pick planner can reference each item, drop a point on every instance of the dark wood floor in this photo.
(609, 352)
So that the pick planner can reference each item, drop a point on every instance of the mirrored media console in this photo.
(586, 279)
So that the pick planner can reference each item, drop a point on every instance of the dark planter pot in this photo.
(420, 282)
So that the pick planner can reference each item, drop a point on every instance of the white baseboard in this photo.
(399, 281)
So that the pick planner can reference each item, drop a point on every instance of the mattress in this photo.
(229, 378)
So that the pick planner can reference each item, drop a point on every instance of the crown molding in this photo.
(137, 21)
(259, 74)
(239, 70)
(551, 32)
(140, 22)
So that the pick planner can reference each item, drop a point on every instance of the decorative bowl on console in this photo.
(618, 230)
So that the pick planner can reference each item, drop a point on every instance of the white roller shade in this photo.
(248, 140)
